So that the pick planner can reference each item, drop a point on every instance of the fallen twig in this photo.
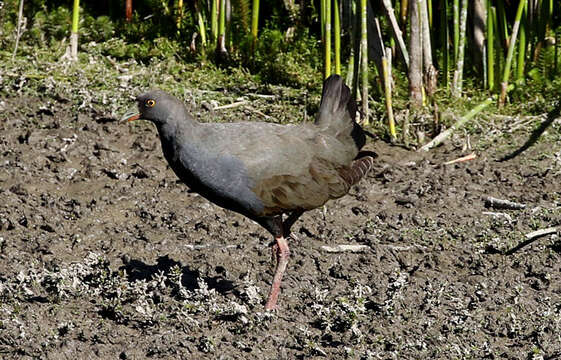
(344, 248)
(495, 203)
(262, 96)
(462, 159)
(498, 215)
(541, 232)
(402, 248)
(531, 237)
(229, 106)
(461, 121)
(258, 112)
(209, 246)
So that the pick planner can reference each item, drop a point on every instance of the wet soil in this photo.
(105, 254)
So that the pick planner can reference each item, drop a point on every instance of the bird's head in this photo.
(156, 106)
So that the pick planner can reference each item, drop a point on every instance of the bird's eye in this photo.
(150, 103)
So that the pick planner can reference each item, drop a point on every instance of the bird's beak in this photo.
(131, 115)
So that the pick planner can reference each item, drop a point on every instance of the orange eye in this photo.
(150, 103)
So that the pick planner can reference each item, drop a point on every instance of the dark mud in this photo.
(104, 254)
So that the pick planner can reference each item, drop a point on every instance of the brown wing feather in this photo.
(325, 181)
(357, 170)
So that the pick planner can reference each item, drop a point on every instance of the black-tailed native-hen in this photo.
(261, 170)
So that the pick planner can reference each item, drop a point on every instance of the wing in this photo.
(290, 167)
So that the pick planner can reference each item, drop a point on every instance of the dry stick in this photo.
(419, 248)
(498, 215)
(462, 159)
(258, 112)
(344, 248)
(503, 204)
(18, 34)
(461, 121)
(531, 237)
(229, 106)
(398, 35)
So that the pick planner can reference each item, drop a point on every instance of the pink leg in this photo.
(283, 252)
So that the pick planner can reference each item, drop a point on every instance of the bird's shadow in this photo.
(138, 270)
(551, 116)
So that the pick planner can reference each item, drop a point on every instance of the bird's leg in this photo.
(282, 253)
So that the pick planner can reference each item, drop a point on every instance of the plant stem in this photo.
(201, 24)
(458, 74)
(221, 44)
(337, 36)
(397, 34)
(415, 57)
(502, 23)
(521, 50)
(386, 67)
(327, 40)
(179, 19)
(128, 10)
(254, 25)
(510, 54)
(74, 34)
(323, 4)
(214, 20)
(18, 34)
(456, 19)
(490, 47)
(364, 58)
(444, 41)
(429, 70)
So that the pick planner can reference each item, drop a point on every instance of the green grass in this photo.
(118, 61)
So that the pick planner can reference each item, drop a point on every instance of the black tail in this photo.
(338, 109)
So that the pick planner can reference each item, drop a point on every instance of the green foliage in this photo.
(542, 72)
(293, 63)
(97, 29)
(293, 59)
(145, 50)
(243, 13)
(51, 26)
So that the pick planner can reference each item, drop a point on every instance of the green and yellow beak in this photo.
(132, 114)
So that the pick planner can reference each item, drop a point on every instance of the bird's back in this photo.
(263, 169)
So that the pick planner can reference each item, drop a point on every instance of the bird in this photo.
(270, 173)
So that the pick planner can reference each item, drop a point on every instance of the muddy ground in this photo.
(104, 254)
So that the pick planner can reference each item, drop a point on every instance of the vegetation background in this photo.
(449, 56)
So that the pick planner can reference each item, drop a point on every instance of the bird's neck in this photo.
(177, 134)
(178, 126)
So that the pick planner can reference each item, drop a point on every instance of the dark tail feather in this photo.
(338, 109)
(358, 169)
(337, 106)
